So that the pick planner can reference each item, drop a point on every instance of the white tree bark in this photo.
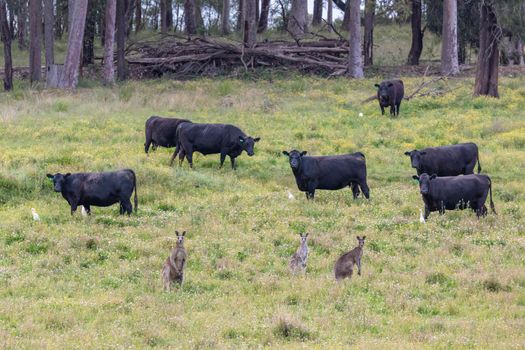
(355, 63)
(109, 42)
(449, 47)
(69, 76)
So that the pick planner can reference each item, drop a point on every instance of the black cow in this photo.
(329, 172)
(162, 132)
(98, 189)
(390, 94)
(226, 139)
(455, 192)
(450, 160)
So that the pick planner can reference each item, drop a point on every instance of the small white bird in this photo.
(84, 212)
(361, 114)
(290, 195)
(35, 215)
(421, 217)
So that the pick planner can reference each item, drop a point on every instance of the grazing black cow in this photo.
(450, 160)
(226, 139)
(98, 189)
(390, 94)
(329, 172)
(455, 192)
(162, 132)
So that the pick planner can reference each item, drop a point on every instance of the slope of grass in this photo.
(70, 282)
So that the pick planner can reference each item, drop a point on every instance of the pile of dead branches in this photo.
(190, 57)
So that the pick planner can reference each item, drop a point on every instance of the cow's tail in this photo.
(135, 199)
(492, 207)
(479, 163)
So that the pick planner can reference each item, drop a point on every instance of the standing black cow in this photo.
(226, 139)
(329, 172)
(162, 132)
(98, 189)
(390, 94)
(450, 160)
(455, 192)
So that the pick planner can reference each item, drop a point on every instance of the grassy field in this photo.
(94, 283)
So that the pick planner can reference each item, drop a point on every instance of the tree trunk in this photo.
(449, 47)
(318, 13)
(355, 66)
(346, 16)
(225, 24)
(250, 23)
(257, 14)
(22, 20)
(329, 13)
(298, 17)
(189, 16)
(49, 35)
(120, 20)
(488, 59)
(109, 42)
(240, 15)
(88, 46)
(263, 19)
(198, 16)
(417, 34)
(35, 40)
(6, 39)
(368, 43)
(169, 14)
(69, 76)
(70, 7)
(138, 15)
(163, 17)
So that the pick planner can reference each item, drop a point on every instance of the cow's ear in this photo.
(68, 174)
(241, 139)
(286, 153)
(415, 177)
(423, 153)
(303, 153)
(50, 176)
(390, 84)
(433, 176)
(407, 153)
(257, 139)
(376, 85)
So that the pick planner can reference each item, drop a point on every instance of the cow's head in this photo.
(361, 241)
(180, 237)
(415, 157)
(383, 92)
(424, 182)
(247, 143)
(59, 180)
(295, 157)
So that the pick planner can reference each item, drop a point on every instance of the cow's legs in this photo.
(182, 154)
(174, 155)
(88, 209)
(232, 160)
(189, 157)
(355, 189)
(427, 212)
(382, 110)
(393, 110)
(442, 208)
(223, 158)
(397, 108)
(126, 206)
(364, 188)
(74, 207)
(121, 208)
(312, 185)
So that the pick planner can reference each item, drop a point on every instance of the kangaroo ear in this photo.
(415, 177)
(357, 237)
(364, 238)
(306, 234)
(286, 153)
(177, 233)
(183, 233)
(50, 176)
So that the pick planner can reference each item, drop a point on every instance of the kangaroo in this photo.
(298, 261)
(344, 266)
(173, 270)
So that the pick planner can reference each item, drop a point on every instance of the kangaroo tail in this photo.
(491, 202)
(479, 164)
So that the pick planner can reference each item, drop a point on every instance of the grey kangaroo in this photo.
(344, 267)
(173, 270)
(298, 261)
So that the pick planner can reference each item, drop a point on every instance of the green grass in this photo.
(70, 282)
